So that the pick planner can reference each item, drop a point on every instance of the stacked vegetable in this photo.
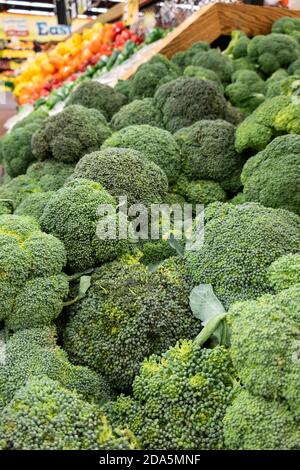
(124, 342)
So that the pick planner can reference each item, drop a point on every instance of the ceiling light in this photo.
(28, 12)
(27, 4)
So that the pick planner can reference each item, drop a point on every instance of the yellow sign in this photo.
(131, 11)
(39, 28)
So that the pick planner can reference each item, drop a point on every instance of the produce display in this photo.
(138, 341)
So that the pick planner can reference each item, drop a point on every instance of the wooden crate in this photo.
(213, 21)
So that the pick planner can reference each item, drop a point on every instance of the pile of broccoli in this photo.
(116, 338)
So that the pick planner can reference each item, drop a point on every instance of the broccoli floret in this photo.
(136, 112)
(200, 192)
(124, 172)
(179, 399)
(294, 68)
(243, 63)
(16, 153)
(253, 423)
(273, 51)
(241, 241)
(50, 174)
(71, 216)
(155, 251)
(150, 76)
(287, 120)
(70, 134)
(92, 94)
(237, 47)
(216, 61)
(273, 83)
(285, 272)
(128, 314)
(158, 145)
(208, 152)
(43, 415)
(266, 368)
(286, 25)
(32, 286)
(33, 352)
(34, 204)
(234, 115)
(187, 100)
(239, 198)
(184, 58)
(6, 206)
(203, 74)
(17, 189)
(258, 129)
(247, 91)
(123, 87)
(272, 177)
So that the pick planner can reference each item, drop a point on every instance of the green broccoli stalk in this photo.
(237, 47)
(70, 134)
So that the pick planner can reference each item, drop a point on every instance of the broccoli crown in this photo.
(184, 58)
(200, 192)
(287, 119)
(6, 206)
(208, 152)
(32, 287)
(33, 352)
(241, 241)
(92, 94)
(187, 100)
(158, 145)
(273, 51)
(43, 415)
(123, 87)
(137, 112)
(266, 368)
(216, 61)
(243, 63)
(238, 44)
(286, 25)
(239, 198)
(150, 76)
(124, 172)
(258, 129)
(128, 314)
(18, 189)
(34, 204)
(179, 399)
(294, 68)
(203, 74)
(247, 91)
(50, 174)
(71, 216)
(70, 134)
(253, 423)
(15, 151)
(285, 272)
(272, 177)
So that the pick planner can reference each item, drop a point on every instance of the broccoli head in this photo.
(187, 100)
(92, 94)
(272, 177)
(33, 352)
(50, 174)
(158, 145)
(287, 120)
(150, 76)
(253, 423)
(208, 152)
(273, 51)
(179, 399)
(200, 192)
(128, 314)
(203, 74)
(16, 153)
(6, 206)
(183, 59)
(243, 63)
(72, 216)
(43, 415)
(137, 112)
(285, 272)
(32, 285)
(238, 44)
(258, 129)
(286, 25)
(34, 204)
(294, 68)
(273, 83)
(123, 87)
(241, 241)
(70, 134)
(124, 172)
(247, 90)
(216, 61)
(17, 189)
